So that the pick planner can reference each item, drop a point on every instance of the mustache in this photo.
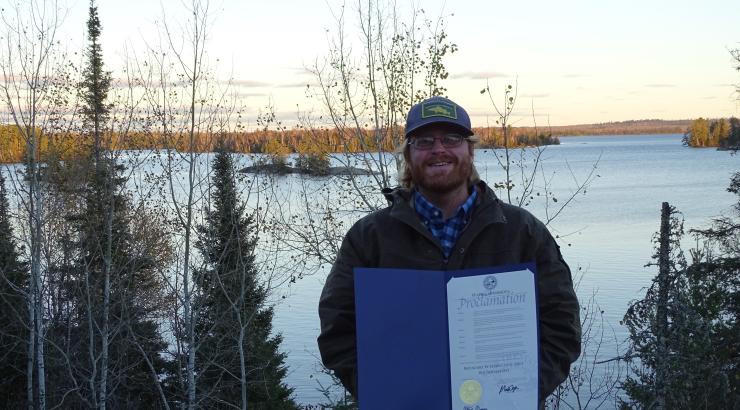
(441, 158)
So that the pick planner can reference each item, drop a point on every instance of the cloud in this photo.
(10, 78)
(123, 83)
(294, 85)
(492, 116)
(248, 83)
(262, 84)
(302, 71)
(573, 75)
(245, 95)
(478, 75)
(524, 113)
(660, 85)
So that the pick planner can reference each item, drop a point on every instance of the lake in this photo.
(606, 232)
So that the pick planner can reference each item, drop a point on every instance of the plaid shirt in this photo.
(447, 231)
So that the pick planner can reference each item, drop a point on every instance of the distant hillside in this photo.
(632, 127)
(322, 140)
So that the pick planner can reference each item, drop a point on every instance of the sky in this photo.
(573, 62)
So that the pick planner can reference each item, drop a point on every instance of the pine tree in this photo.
(733, 139)
(112, 344)
(685, 334)
(13, 316)
(238, 361)
(95, 84)
(134, 303)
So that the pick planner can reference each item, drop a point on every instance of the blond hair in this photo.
(406, 179)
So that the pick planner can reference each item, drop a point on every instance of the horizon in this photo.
(574, 64)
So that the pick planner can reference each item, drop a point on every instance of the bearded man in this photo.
(443, 217)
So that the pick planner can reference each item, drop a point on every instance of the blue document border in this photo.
(381, 291)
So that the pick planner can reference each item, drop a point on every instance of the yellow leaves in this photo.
(313, 142)
(275, 147)
(13, 145)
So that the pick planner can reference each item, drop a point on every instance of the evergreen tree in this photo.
(95, 84)
(135, 345)
(13, 314)
(733, 139)
(685, 333)
(108, 328)
(238, 361)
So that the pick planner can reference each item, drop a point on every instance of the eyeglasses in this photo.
(425, 142)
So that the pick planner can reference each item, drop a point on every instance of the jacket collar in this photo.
(488, 208)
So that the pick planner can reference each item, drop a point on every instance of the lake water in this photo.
(606, 232)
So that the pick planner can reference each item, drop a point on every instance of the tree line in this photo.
(631, 127)
(722, 132)
(267, 141)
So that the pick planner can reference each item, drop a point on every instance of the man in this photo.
(444, 218)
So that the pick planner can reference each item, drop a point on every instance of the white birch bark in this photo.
(27, 62)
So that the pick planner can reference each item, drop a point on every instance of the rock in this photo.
(275, 169)
(348, 171)
(268, 169)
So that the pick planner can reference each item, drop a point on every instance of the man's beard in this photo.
(442, 183)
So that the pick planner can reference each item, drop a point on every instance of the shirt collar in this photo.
(428, 211)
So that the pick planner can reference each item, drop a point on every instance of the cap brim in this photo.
(438, 120)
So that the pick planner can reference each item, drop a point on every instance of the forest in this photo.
(316, 141)
(320, 142)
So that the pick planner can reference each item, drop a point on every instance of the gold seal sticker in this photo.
(471, 391)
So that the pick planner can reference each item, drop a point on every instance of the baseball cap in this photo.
(437, 110)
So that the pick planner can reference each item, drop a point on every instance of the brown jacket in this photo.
(497, 234)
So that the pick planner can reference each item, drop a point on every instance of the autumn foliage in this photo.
(317, 141)
(713, 133)
(311, 142)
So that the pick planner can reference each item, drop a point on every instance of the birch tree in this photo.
(184, 108)
(14, 324)
(366, 84)
(29, 61)
(106, 340)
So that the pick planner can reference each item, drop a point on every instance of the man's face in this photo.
(440, 169)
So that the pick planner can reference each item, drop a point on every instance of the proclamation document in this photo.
(493, 341)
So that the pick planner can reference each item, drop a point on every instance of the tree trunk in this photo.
(242, 365)
(32, 295)
(31, 344)
(91, 339)
(35, 217)
(189, 319)
(661, 311)
(107, 262)
(189, 315)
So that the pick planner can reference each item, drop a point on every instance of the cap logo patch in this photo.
(438, 109)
